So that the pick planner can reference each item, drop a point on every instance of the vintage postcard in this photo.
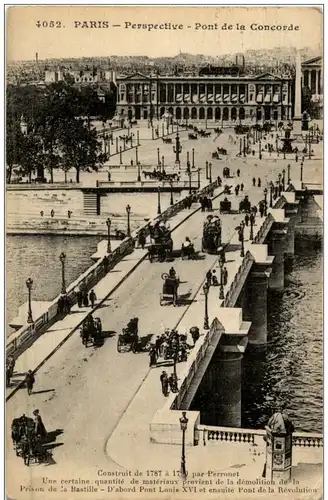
(164, 252)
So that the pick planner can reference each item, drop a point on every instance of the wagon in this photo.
(170, 290)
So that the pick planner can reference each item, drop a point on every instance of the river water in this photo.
(37, 257)
(289, 377)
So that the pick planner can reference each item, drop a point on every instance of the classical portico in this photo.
(312, 78)
(213, 98)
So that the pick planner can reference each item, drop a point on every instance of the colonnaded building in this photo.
(217, 94)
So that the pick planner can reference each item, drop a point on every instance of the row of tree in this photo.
(59, 132)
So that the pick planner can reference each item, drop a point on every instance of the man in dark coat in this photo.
(79, 297)
(29, 382)
(92, 298)
(40, 429)
(165, 383)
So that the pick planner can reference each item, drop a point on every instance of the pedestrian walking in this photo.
(246, 219)
(142, 239)
(173, 383)
(209, 277)
(106, 264)
(214, 278)
(109, 176)
(10, 366)
(238, 172)
(261, 209)
(209, 205)
(152, 356)
(254, 181)
(222, 255)
(237, 189)
(92, 298)
(165, 383)
(194, 332)
(79, 297)
(258, 182)
(241, 187)
(39, 428)
(29, 382)
(85, 298)
(158, 343)
(224, 276)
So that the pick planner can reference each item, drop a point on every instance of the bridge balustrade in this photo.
(214, 434)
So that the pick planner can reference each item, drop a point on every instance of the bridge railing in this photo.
(206, 434)
(238, 280)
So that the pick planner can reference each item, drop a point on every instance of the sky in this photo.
(28, 30)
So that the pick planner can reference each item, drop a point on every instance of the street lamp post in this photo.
(139, 177)
(244, 146)
(121, 155)
(159, 211)
(171, 194)
(206, 289)
(265, 191)
(158, 158)
(240, 146)
(206, 169)
(301, 179)
(198, 178)
(271, 194)
(193, 157)
(241, 239)
(189, 176)
(210, 172)
(108, 223)
(162, 163)
(279, 181)
(62, 258)
(288, 173)
(221, 264)
(260, 150)
(29, 283)
(177, 149)
(251, 220)
(183, 425)
(137, 159)
(283, 179)
(128, 210)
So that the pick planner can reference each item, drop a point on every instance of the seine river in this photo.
(37, 257)
(290, 377)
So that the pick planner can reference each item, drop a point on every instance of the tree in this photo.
(33, 157)
(14, 141)
(80, 148)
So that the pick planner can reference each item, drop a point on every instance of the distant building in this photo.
(218, 96)
(312, 78)
(86, 76)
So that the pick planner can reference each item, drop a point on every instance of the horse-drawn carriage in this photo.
(212, 233)
(225, 206)
(245, 205)
(170, 289)
(167, 140)
(128, 340)
(91, 330)
(226, 172)
(26, 443)
(192, 136)
(162, 243)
